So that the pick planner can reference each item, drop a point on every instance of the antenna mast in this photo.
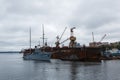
(93, 36)
(43, 34)
(30, 39)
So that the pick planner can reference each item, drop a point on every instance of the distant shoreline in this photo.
(9, 51)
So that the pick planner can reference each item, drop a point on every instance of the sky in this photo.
(17, 16)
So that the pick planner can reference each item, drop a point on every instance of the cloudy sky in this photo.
(98, 16)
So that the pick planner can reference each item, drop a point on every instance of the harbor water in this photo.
(13, 67)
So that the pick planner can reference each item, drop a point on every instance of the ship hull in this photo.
(73, 54)
(78, 54)
(38, 56)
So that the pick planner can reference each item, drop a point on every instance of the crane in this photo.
(72, 38)
(58, 39)
(94, 44)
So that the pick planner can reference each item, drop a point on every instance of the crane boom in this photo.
(62, 33)
(58, 39)
(64, 40)
(102, 38)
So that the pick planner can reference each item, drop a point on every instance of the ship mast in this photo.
(93, 37)
(43, 34)
(30, 39)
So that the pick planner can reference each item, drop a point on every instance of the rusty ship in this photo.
(73, 52)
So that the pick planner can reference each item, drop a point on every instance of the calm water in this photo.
(13, 67)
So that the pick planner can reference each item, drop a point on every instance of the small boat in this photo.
(112, 53)
(38, 55)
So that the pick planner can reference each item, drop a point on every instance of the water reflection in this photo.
(13, 67)
(80, 70)
(74, 70)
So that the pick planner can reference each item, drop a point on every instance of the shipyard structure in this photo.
(72, 52)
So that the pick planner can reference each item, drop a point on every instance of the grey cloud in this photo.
(95, 14)
(26, 8)
(98, 16)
